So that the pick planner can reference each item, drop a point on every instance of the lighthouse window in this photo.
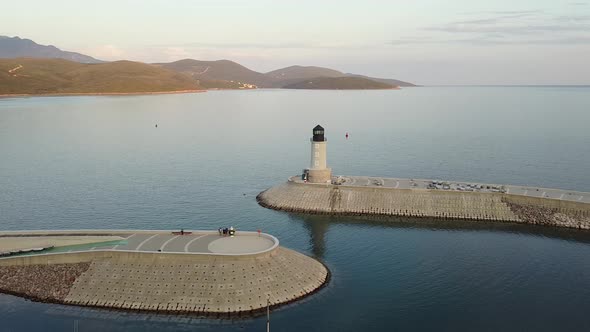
(317, 163)
(317, 154)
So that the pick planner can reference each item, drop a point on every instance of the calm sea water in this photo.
(100, 162)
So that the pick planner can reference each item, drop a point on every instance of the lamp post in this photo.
(268, 313)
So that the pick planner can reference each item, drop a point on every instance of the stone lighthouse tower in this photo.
(318, 171)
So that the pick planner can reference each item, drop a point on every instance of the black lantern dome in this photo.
(318, 134)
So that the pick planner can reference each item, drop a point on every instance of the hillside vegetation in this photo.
(389, 81)
(294, 74)
(50, 76)
(339, 83)
(132, 77)
(225, 74)
(218, 74)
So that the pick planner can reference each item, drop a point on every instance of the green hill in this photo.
(50, 76)
(302, 72)
(294, 74)
(389, 81)
(225, 74)
(339, 83)
(218, 74)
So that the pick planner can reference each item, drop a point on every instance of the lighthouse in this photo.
(318, 171)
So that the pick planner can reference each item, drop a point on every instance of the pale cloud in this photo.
(512, 29)
(532, 27)
(106, 52)
(332, 45)
(516, 12)
(573, 18)
(581, 40)
(175, 53)
(524, 22)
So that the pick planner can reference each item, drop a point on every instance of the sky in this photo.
(429, 42)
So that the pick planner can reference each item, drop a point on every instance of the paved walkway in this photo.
(439, 185)
(193, 243)
(146, 241)
(29, 242)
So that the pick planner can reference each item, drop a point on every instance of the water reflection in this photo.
(56, 317)
(318, 226)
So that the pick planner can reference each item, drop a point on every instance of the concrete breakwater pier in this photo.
(356, 196)
(190, 272)
(317, 191)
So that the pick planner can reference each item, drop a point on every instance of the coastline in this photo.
(69, 94)
(81, 94)
(336, 89)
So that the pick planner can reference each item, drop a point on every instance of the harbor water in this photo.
(101, 162)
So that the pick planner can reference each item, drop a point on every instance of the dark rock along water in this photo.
(100, 162)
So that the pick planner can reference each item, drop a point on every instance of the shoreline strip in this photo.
(71, 94)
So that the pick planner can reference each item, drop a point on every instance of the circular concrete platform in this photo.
(240, 245)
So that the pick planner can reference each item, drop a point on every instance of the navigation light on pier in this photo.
(318, 171)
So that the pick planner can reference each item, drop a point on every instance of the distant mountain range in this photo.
(210, 73)
(16, 47)
(39, 74)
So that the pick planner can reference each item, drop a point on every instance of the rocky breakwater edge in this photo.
(206, 284)
(41, 283)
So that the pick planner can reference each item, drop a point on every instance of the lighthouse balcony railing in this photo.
(325, 139)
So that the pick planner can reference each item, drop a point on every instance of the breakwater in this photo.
(379, 200)
(204, 283)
